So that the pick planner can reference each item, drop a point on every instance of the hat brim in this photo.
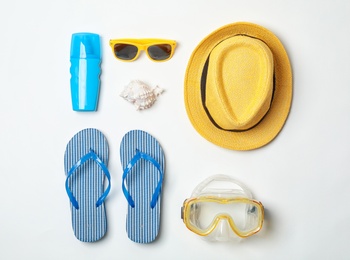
(272, 123)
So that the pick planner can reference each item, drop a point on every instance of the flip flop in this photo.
(143, 162)
(85, 164)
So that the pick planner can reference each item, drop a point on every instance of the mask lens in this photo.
(253, 216)
(125, 51)
(245, 216)
(202, 215)
(159, 51)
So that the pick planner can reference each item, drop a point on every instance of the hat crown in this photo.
(239, 85)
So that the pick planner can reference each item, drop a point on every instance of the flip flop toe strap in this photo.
(138, 156)
(90, 155)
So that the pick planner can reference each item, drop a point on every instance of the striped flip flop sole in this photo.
(87, 184)
(142, 221)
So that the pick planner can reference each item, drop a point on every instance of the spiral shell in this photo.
(140, 94)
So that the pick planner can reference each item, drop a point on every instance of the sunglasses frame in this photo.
(186, 215)
(143, 45)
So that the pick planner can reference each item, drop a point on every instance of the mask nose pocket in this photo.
(223, 231)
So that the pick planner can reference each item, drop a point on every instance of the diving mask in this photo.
(222, 213)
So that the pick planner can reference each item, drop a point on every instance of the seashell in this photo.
(140, 94)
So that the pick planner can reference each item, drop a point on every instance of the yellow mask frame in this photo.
(186, 215)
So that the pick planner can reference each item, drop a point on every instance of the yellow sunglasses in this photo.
(202, 215)
(129, 49)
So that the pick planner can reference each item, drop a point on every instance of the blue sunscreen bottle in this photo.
(85, 58)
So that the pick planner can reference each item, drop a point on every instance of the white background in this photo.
(302, 177)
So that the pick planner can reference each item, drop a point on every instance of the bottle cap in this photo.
(85, 46)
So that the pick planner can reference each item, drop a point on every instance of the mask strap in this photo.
(204, 187)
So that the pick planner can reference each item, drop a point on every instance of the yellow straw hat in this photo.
(238, 86)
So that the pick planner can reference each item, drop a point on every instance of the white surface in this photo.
(302, 177)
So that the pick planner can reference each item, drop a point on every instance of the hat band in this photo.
(203, 97)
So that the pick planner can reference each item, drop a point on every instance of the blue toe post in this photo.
(138, 156)
(90, 155)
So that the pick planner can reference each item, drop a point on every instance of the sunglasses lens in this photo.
(159, 51)
(125, 51)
